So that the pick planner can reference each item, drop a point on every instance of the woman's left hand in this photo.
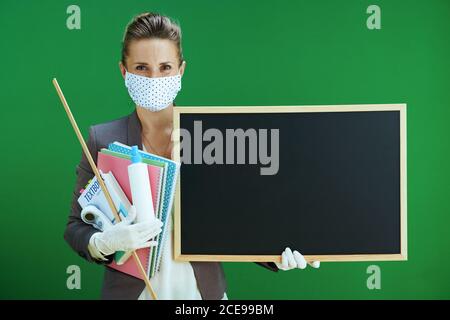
(294, 260)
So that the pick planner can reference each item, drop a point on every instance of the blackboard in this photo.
(338, 192)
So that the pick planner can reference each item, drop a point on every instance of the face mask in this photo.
(154, 94)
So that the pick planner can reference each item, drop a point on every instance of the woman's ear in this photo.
(183, 66)
(122, 69)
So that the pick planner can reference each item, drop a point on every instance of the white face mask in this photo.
(154, 94)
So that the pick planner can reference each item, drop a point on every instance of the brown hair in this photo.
(151, 25)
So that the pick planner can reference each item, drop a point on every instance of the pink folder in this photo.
(119, 168)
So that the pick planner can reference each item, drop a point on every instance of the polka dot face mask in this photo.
(154, 94)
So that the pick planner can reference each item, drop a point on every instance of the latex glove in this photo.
(293, 260)
(124, 237)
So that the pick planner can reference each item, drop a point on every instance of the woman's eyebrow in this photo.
(145, 63)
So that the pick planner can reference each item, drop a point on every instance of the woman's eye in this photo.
(167, 67)
(140, 68)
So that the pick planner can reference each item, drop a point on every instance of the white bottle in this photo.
(140, 187)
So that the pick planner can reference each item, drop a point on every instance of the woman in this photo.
(152, 66)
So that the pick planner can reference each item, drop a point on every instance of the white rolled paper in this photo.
(93, 216)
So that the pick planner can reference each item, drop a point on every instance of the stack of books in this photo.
(113, 163)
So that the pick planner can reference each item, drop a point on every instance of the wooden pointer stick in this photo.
(100, 181)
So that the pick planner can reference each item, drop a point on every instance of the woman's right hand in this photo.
(124, 237)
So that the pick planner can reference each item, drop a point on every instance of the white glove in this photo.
(124, 237)
(292, 260)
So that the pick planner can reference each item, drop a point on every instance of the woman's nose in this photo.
(154, 73)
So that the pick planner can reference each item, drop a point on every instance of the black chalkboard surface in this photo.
(334, 188)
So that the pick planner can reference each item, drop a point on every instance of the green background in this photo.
(238, 53)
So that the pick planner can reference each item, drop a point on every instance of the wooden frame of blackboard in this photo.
(402, 255)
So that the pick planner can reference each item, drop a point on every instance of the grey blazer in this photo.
(210, 276)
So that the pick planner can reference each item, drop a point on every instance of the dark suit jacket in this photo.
(210, 276)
